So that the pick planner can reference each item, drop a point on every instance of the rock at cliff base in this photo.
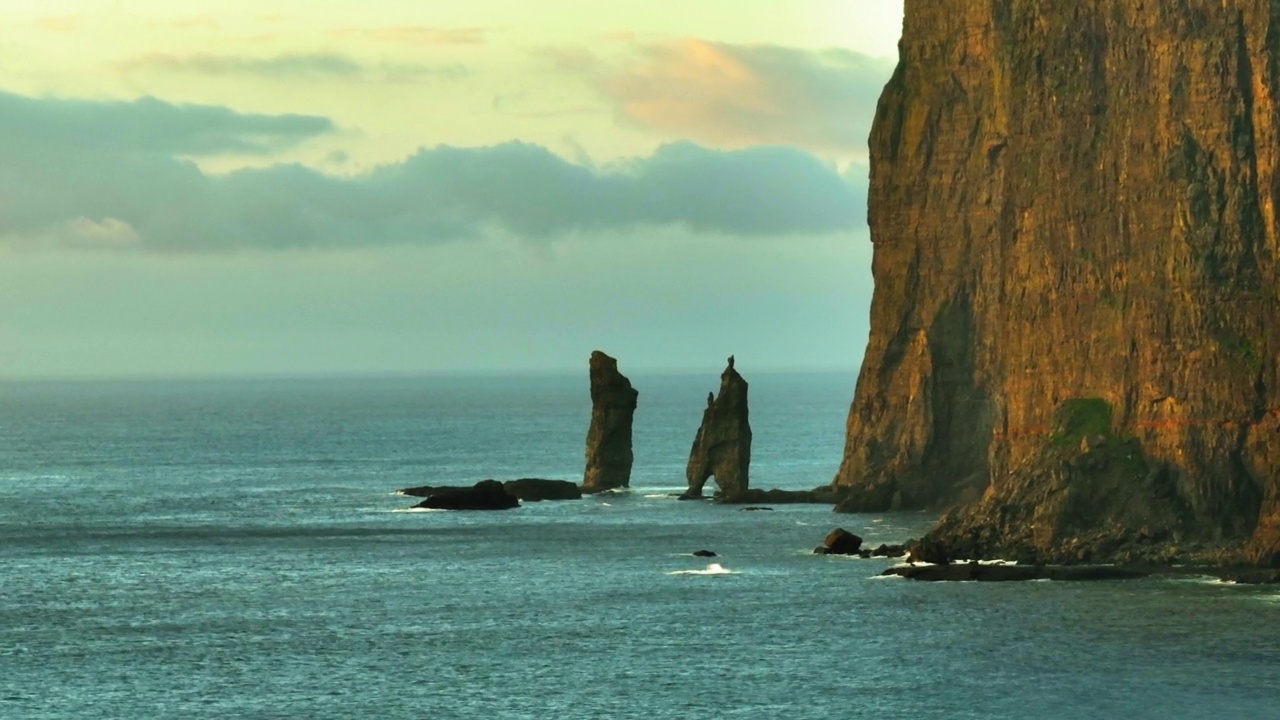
(982, 572)
(775, 496)
(722, 446)
(484, 495)
(613, 405)
(1077, 278)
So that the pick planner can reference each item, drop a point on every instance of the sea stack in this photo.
(722, 447)
(613, 404)
(1075, 330)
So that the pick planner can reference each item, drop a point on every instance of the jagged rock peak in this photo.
(1074, 213)
(613, 404)
(722, 447)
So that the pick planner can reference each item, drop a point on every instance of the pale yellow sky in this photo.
(399, 75)
(689, 182)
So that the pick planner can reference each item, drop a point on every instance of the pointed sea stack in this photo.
(613, 404)
(722, 447)
(1075, 332)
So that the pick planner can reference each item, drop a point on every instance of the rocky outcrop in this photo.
(1074, 332)
(840, 542)
(613, 403)
(722, 447)
(525, 489)
(484, 495)
(538, 489)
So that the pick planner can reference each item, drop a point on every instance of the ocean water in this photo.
(232, 548)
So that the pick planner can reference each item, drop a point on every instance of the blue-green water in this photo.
(232, 549)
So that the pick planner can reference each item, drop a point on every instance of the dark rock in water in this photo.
(704, 553)
(822, 496)
(928, 551)
(484, 495)
(536, 489)
(1088, 364)
(1252, 577)
(885, 550)
(840, 542)
(526, 489)
(757, 509)
(424, 490)
(613, 404)
(722, 447)
(960, 572)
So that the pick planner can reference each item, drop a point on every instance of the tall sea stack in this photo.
(722, 447)
(613, 404)
(1075, 330)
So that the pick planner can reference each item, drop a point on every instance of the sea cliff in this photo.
(1076, 326)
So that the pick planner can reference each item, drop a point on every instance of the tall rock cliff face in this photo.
(1076, 326)
(722, 447)
(613, 405)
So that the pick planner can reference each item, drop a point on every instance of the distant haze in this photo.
(284, 188)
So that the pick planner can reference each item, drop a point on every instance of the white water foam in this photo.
(417, 510)
(712, 569)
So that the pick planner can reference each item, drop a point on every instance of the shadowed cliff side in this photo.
(722, 447)
(613, 405)
(1073, 206)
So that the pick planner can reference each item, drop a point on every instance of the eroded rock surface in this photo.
(613, 404)
(1075, 330)
(722, 447)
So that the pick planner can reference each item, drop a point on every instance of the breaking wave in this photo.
(712, 569)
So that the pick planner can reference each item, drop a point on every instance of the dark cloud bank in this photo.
(83, 172)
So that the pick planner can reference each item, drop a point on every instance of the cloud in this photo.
(296, 66)
(68, 127)
(113, 171)
(738, 95)
(417, 35)
(107, 233)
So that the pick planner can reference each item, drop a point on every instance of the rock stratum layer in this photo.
(1075, 326)
(613, 405)
(722, 447)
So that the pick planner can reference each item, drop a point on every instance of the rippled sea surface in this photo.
(216, 549)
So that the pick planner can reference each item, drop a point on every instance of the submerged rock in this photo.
(722, 447)
(484, 495)
(704, 553)
(613, 404)
(1073, 333)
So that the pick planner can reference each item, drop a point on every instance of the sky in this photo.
(330, 187)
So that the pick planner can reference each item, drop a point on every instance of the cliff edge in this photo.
(1076, 326)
